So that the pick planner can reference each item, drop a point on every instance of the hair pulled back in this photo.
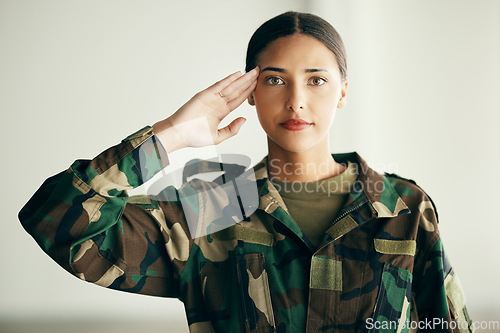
(290, 23)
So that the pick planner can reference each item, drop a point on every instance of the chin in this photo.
(294, 146)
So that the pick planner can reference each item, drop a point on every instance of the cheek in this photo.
(266, 104)
(325, 111)
(265, 97)
(263, 113)
(325, 105)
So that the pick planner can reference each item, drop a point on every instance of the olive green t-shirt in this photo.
(314, 205)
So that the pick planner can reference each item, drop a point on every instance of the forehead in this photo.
(297, 51)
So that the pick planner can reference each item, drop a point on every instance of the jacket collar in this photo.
(372, 186)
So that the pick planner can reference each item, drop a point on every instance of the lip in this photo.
(295, 124)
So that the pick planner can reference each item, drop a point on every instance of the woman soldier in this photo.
(333, 246)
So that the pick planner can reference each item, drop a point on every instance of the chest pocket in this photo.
(255, 294)
(392, 310)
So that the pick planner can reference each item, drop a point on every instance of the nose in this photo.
(296, 99)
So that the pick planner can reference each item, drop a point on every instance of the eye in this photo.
(274, 81)
(317, 81)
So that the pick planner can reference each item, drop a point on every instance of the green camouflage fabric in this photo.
(380, 268)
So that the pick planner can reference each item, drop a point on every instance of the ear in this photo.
(251, 100)
(343, 93)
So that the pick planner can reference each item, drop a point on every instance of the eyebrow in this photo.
(282, 70)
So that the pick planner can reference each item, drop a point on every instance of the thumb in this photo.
(230, 130)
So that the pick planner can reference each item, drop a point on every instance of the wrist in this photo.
(168, 135)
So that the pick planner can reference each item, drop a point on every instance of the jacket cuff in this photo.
(125, 166)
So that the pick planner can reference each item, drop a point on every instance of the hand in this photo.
(196, 123)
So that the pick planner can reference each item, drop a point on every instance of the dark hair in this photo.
(290, 23)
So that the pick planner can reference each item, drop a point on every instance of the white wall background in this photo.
(76, 77)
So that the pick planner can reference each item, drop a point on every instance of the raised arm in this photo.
(84, 219)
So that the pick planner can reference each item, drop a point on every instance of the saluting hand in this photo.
(196, 123)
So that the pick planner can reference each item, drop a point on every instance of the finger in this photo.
(237, 87)
(242, 97)
(218, 86)
(230, 130)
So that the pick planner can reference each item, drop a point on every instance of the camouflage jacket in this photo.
(381, 266)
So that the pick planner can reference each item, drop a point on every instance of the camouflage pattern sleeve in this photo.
(84, 219)
(438, 301)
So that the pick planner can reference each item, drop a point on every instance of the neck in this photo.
(310, 165)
